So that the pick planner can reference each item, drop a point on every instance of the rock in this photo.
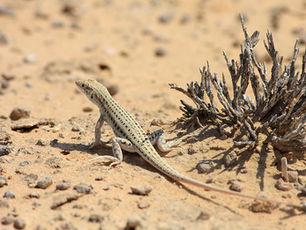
(293, 176)
(96, 218)
(83, 188)
(165, 18)
(19, 112)
(9, 194)
(64, 185)
(6, 220)
(141, 190)
(133, 222)
(204, 167)
(283, 186)
(8, 76)
(19, 223)
(30, 58)
(42, 142)
(230, 159)
(87, 109)
(63, 199)
(4, 150)
(3, 181)
(236, 185)
(44, 182)
(160, 52)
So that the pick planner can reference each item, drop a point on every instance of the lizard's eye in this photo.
(91, 96)
(83, 85)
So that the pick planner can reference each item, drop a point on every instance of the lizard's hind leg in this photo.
(117, 145)
(157, 138)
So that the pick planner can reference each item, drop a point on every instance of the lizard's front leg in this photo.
(98, 127)
(157, 138)
(117, 145)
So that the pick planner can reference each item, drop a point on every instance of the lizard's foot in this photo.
(115, 161)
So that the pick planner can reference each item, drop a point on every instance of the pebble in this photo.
(96, 218)
(24, 163)
(4, 150)
(141, 190)
(28, 84)
(203, 216)
(204, 167)
(3, 181)
(143, 204)
(191, 150)
(63, 199)
(44, 182)
(19, 112)
(33, 195)
(293, 176)
(160, 52)
(64, 185)
(185, 19)
(230, 159)
(282, 185)
(30, 58)
(83, 188)
(236, 185)
(4, 204)
(6, 220)
(19, 223)
(54, 162)
(31, 179)
(9, 194)
(3, 39)
(57, 24)
(42, 142)
(165, 18)
(133, 222)
(8, 76)
(4, 84)
(87, 109)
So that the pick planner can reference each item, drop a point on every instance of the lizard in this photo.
(130, 137)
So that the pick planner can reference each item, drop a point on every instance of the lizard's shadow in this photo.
(130, 158)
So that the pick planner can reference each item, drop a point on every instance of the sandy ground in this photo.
(137, 47)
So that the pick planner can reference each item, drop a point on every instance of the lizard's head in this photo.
(92, 89)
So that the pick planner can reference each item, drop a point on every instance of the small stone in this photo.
(4, 150)
(4, 84)
(44, 182)
(24, 163)
(143, 204)
(113, 89)
(236, 185)
(31, 179)
(99, 178)
(33, 195)
(133, 222)
(230, 159)
(141, 190)
(3, 181)
(96, 218)
(63, 199)
(28, 84)
(87, 109)
(283, 186)
(83, 188)
(293, 176)
(204, 167)
(160, 52)
(6, 220)
(42, 142)
(165, 18)
(9, 194)
(57, 24)
(64, 185)
(8, 76)
(203, 216)
(19, 223)
(4, 204)
(31, 58)
(262, 206)
(19, 112)
(225, 130)
(54, 162)
(191, 150)
(185, 19)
